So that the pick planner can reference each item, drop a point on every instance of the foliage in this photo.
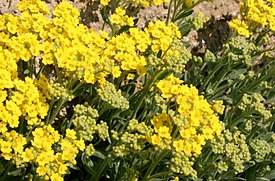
(131, 103)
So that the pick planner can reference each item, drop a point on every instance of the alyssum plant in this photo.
(131, 103)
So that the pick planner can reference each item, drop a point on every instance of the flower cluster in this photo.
(261, 148)
(240, 50)
(23, 100)
(132, 140)
(254, 102)
(195, 121)
(84, 121)
(120, 18)
(143, 3)
(47, 149)
(112, 97)
(254, 13)
(184, 132)
(234, 148)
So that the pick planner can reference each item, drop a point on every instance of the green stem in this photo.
(6, 171)
(101, 169)
(169, 12)
(144, 93)
(175, 11)
(209, 77)
(40, 70)
(78, 85)
(161, 174)
(154, 164)
(72, 81)
(49, 112)
(57, 109)
(57, 71)
(238, 119)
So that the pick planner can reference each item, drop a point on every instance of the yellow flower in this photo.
(28, 155)
(178, 145)
(116, 72)
(130, 76)
(41, 170)
(196, 148)
(200, 139)
(186, 134)
(104, 2)
(120, 11)
(5, 146)
(56, 177)
(164, 132)
(218, 106)
(80, 144)
(3, 95)
(155, 139)
(45, 157)
(71, 134)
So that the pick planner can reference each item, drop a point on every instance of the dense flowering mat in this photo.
(134, 103)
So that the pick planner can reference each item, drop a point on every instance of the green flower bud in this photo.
(112, 97)
(89, 150)
(209, 56)
(261, 149)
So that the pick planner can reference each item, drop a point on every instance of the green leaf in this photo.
(159, 54)
(262, 178)
(235, 74)
(99, 155)
(164, 75)
(184, 29)
(123, 29)
(16, 172)
(88, 164)
(105, 16)
(270, 175)
(183, 14)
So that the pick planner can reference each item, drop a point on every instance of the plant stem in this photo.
(101, 169)
(169, 12)
(144, 92)
(49, 112)
(209, 77)
(57, 109)
(154, 164)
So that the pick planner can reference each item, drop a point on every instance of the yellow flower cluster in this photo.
(148, 2)
(53, 90)
(218, 106)
(240, 26)
(259, 11)
(24, 100)
(162, 35)
(254, 13)
(51, 164)
(144, 3)
(183, 130)
(120, 18)
(12, 146)
(69, 45)
(194, 117)
(127, 49)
